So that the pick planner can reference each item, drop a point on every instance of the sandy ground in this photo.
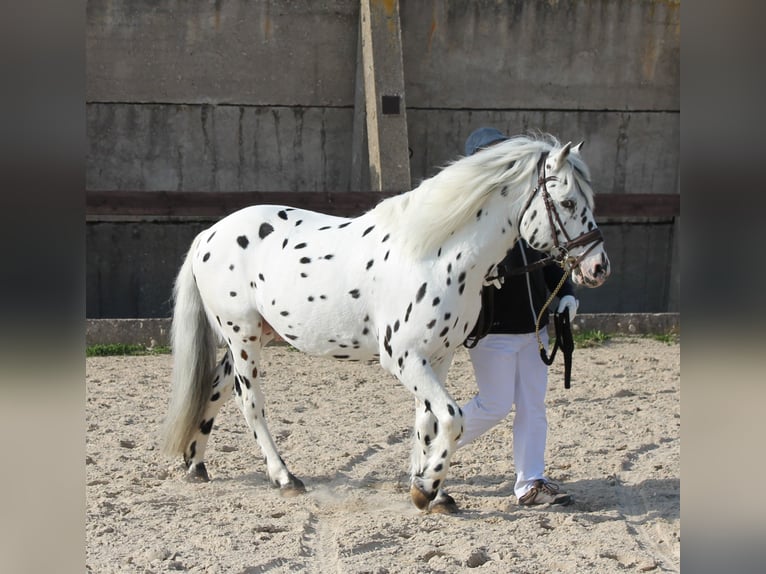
(344, 429)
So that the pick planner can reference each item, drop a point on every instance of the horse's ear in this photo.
(561, 156)
(578, 147)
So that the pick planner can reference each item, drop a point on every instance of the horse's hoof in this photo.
(198, 473)
(444, 504)
(420, 498)
(293, 488)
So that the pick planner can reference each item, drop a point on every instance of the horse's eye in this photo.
(568, 204)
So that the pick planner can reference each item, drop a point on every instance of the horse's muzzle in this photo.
(592, 271)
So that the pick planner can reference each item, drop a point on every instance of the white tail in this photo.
(194, 347)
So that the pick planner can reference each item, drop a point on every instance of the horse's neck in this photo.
(485, 241)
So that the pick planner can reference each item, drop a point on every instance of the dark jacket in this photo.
(512, 312)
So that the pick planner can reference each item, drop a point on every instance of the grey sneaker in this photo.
(545, 492)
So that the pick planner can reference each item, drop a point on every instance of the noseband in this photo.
(562, 257)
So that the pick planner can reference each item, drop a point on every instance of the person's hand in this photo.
(570, 304)
(493, 278)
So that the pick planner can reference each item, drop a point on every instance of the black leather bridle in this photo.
(562, 256)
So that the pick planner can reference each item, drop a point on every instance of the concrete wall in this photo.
(234, 95)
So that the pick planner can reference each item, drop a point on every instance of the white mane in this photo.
(451, 198)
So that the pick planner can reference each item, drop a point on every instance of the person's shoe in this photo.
(545, 492)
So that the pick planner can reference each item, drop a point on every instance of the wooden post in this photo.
(383, 71)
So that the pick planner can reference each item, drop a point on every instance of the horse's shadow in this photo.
(594, 500)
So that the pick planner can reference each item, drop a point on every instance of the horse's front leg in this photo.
(438, 426)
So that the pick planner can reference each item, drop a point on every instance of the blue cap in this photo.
(482, 138)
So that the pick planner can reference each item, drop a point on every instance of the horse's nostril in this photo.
(598, 269)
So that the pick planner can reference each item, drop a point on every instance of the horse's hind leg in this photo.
(250, 400)
(220, 390)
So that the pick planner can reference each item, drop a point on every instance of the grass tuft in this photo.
(118, 349)
(584, 339)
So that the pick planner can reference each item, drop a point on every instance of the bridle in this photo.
(562, 256)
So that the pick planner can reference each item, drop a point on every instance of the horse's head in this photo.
(558, 216)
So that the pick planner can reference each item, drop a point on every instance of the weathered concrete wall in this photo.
(237, 94)
(234, 95)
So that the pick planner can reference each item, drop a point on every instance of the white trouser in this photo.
(509, 371)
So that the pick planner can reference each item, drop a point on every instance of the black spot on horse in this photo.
(342, 225)
(421, 293)
(451, 410)
(436, 301)
(243, 241)
(261, 277)
(305, 260)
(368, 230)
(284, 244)
(291, 337)
(385, 238)
(206, 426)
(407, 314)
(354, 293)
(214, 232)
(284, 313)
(329, 256)
(431, 324)
(237, 388)
(232, 293)
(324, 228)
(215, 397)
(264, 230)
(428, 406)
(341, 356)
(282, 214)
(462, 288)
(206, 257)
(444, 331)
(461, 277)
(369, 264)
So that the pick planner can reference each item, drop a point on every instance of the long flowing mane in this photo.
(448, 200)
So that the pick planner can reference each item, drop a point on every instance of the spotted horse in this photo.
(399, 284)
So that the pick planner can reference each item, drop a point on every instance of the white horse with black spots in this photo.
(400, 284)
